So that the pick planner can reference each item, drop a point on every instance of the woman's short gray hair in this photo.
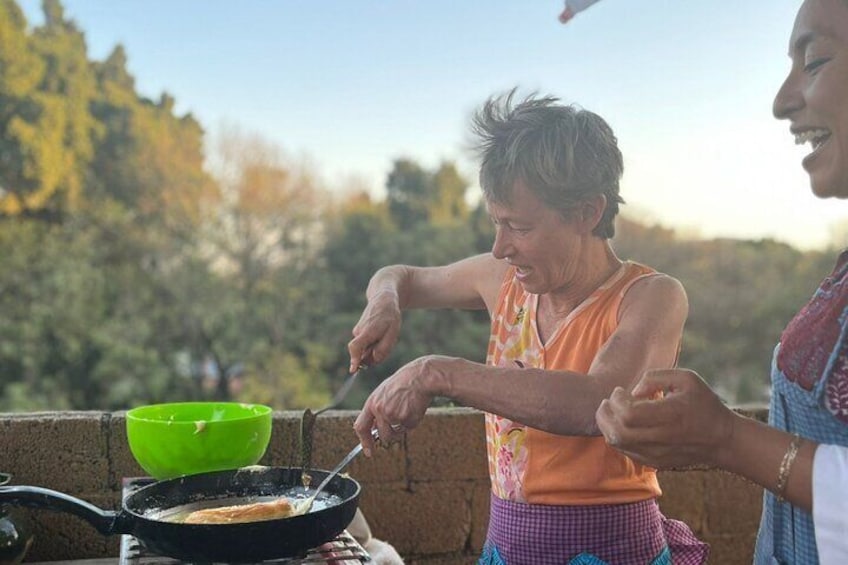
(562, 153)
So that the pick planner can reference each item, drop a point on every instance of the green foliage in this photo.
(741, 295)
(130, 274)
(415, 195)
(21, 70)
(363, 237)
(81, 327)
(50, 135)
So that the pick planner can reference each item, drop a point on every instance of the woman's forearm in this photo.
(392, 280)
(558, 402)
(757, 451)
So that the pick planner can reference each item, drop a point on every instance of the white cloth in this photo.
(830, 503)
(381, 552)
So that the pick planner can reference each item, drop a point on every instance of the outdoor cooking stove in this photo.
(343, 550)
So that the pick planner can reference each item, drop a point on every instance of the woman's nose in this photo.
(500, 247)
(788, 98)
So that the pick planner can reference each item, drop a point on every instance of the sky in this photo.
(686, 85)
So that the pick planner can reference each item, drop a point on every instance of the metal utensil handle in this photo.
(344, 463)
(306, 505)
(307, 420)
(342, 392)
(353, 453)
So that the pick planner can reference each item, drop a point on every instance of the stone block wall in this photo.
(427, 496)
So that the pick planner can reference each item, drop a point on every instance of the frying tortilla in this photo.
(240, 513)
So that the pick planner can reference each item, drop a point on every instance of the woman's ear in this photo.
(590, 213)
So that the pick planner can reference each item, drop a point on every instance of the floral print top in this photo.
(529, 465)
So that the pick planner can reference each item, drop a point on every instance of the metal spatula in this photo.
(306, 505)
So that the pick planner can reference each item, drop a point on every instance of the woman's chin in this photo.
(529, 287)
(826, 186)
(828, 191)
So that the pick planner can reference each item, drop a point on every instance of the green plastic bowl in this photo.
(186, 438)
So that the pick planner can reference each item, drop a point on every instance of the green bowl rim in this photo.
(265, 410)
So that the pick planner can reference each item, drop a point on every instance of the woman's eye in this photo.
(815, 64)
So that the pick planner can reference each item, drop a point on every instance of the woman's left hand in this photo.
(671, 419)
(398, 403)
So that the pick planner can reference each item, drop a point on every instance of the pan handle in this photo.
(106, 522)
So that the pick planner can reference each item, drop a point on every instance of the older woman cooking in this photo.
(801, 458)
(570, 322)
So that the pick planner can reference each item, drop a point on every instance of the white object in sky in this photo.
(572, 7)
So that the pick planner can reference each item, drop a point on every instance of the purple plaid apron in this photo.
(607, 534)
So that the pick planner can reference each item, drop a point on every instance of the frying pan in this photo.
(141, 514)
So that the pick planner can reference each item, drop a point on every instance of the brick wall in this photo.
(428, 497)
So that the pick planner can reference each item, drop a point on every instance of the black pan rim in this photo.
(134, 506)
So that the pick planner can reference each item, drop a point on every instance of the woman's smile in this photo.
(817, 138)
(522, 273)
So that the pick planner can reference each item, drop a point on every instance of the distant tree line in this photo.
(133, 272)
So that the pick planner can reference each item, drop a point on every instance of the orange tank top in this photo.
(532, 466)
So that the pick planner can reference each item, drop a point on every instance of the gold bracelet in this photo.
(786, 466)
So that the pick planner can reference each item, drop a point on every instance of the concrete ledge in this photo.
(429, 496)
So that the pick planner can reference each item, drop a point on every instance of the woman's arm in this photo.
(471, 283)
(559, 402)
(689, 425)
(673, 419)
(756, 451)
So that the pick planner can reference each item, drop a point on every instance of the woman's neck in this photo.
(590, 275)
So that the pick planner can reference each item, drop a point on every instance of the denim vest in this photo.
(786, 533)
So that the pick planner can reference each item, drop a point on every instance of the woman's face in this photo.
(543, 247)
(814, 97)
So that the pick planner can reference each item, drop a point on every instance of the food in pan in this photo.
(256, 512)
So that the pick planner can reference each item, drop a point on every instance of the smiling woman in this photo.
(801, 459)
(569, 322)
(813, 96)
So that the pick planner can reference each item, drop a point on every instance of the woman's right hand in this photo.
(671, 418)
(376, 332)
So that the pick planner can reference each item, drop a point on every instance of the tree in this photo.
(424, 221)
(415, 195)
(741, 295)
(244, 295)
(449, 187)
(269, 210)
(83, 323)
(22, 118)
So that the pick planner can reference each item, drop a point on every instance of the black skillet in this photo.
(141, 512)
